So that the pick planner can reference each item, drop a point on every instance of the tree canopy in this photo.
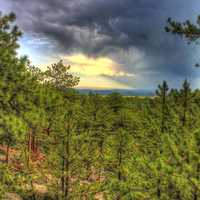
(56, 143)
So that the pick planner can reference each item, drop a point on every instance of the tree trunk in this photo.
(119, 164)
(178, 196)
(101, 157)
(185, 108)
(33, 143)
(119, 174)
(48, 130)
(163, 112)
(63, 173)
(67, 181)
(158, 189)
(162, 130)
(195, 195)
(29, 148)
(7, 153)
(57, 191)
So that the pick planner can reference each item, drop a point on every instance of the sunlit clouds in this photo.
(96, 72)
(90, 66)
(100, 82)
(107, 42)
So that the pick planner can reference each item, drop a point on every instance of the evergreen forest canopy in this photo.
(58, 144)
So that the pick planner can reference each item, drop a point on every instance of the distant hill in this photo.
(124, 92)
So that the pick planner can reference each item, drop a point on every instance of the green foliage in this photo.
(12, 129)
(85, 146)
(187, 29)
(58, 74)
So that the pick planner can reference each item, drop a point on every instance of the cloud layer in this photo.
(129, 32)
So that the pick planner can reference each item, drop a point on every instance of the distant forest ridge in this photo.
(124, 92)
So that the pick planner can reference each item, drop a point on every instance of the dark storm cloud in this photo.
(108, 27)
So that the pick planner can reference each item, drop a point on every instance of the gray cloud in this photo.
(120, 29)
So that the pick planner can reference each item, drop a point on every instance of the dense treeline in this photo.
(90, 146)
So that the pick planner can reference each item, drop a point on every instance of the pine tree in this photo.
(162, 93)
(119, 154)
(187, 29)
(60, 78)
(12, 130)
(185, 93)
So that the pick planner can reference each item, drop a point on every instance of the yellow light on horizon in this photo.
(90, 66)
(98, 82)
(93, 72)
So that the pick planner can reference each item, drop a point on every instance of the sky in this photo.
(110, 44)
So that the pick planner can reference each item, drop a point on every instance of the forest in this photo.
(58, 144)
